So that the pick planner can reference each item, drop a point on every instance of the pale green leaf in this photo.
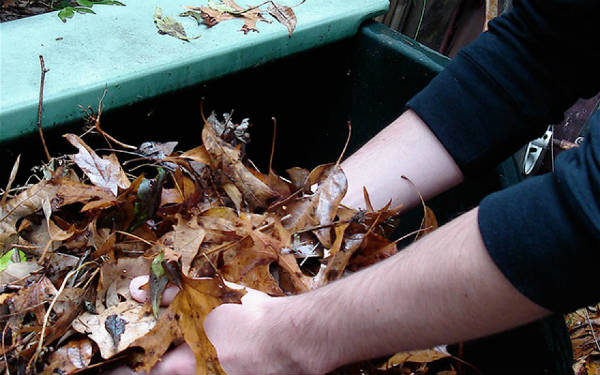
(7, 258)
(169, 26)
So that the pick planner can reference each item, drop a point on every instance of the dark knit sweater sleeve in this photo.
(544, 233)
(507, 86)
(500, 92)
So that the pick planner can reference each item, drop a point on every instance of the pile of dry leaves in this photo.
(584, 328)
(73, 241)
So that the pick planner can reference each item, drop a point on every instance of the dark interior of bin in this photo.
(365, 80)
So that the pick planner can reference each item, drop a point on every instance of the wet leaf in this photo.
(157, 150)
(115, 326)
(158, 283)
(148, 198)
(284, 15)
(103, 172)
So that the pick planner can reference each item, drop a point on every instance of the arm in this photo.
(406, 147)
(444, 288)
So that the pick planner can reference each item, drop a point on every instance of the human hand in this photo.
(239, 333)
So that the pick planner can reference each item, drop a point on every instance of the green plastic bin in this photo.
(366, 79)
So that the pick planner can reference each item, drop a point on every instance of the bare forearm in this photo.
(445, 288)
(406, 147)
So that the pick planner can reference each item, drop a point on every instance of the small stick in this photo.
(323, 226)
(347, 143)
(47, 315)
(285, 200)
(412, 234)
(273, 144)
(4, 350)
(587, 316)
(107, 136)
(39, 123)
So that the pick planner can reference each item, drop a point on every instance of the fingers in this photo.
(140, 295)
(179, 361)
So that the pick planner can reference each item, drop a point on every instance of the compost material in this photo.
(73, 240)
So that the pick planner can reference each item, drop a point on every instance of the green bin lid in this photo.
(119, 48)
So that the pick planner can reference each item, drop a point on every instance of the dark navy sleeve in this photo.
(506, 87)
(544, 233)
(500, 92)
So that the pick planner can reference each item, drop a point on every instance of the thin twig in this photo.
(322, 226)
(273, 144)
(136, 237)
(107, 136)
(4, 349)
(412, 234)
(589, 321)
(421, 19)
(39, 123)
(345, 145)
(285, 200)
(47, 316)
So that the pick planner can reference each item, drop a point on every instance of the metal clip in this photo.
(535, 152)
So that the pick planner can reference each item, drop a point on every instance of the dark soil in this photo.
(14, 9)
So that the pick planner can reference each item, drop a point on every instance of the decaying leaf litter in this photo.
(584, 329)
(217, 11)
(73, 241)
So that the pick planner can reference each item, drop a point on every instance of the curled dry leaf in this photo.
(24, 204)
(228, 160)
(103, 172)
(284, 15)
(332, 186)
(429, 222)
